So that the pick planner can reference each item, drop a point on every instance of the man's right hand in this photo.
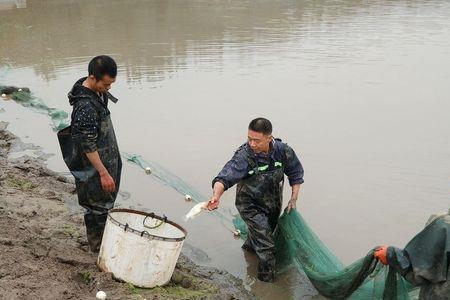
(107, 181)
(213, 203)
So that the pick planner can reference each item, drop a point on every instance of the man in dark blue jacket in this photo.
(258, 169)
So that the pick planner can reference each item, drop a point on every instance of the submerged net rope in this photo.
(297, 245)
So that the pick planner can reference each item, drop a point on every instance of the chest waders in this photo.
(258, 199)
(87, 180)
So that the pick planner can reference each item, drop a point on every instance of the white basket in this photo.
(140, 248)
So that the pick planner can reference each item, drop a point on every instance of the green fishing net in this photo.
(364, 279)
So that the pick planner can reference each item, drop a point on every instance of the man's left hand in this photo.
(292, 204)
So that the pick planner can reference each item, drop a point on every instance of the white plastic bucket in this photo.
(140, 248)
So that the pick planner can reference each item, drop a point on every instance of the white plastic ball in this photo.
(101, 295)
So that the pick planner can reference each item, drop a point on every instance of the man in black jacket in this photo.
(97, 177)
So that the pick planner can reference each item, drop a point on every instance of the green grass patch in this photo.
(179, 292)
(85, 276)
(20, 183)
(198, 290)
(134, 289)
(71, 231)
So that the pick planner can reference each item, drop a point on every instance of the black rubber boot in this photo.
(95, 225)
(266, 270)
(267, 276)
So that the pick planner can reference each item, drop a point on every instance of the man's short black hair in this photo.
(102, 65)
(261, 125)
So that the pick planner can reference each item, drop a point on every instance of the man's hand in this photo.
(292, 204)
(218, 190)
(213, 203)
(107, 181)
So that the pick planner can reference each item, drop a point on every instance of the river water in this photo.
(360, 89)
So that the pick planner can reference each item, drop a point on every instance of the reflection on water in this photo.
(153, 40)
(358, 88)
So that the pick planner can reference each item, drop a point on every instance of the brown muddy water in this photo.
(360, 89)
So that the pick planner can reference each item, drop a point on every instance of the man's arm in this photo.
(294, 197)
(294, 172)
(233, 171)
(107, 181)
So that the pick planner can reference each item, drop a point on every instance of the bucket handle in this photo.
(152, 215)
